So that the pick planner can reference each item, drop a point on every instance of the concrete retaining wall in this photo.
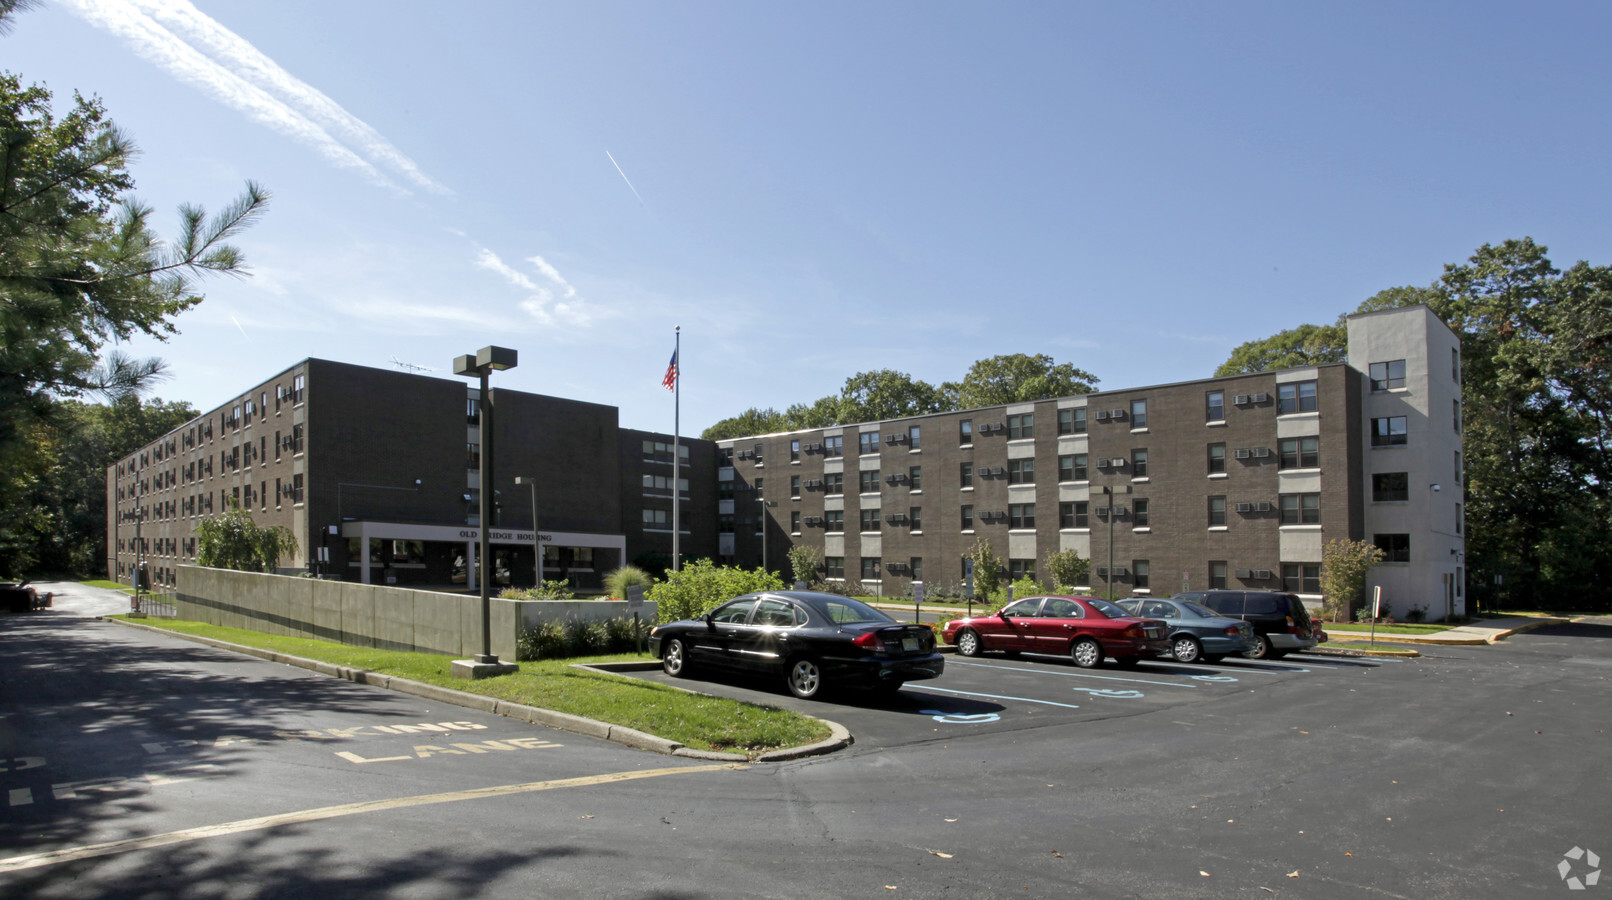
(369, 615)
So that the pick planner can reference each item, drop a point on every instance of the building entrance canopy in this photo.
(470, 536)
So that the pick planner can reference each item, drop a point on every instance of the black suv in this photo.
(1280, 620)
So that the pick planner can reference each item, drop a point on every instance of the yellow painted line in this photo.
(91, 851)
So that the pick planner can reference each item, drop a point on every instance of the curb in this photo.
(1355, 651)
(1433, 640)
(838, 739)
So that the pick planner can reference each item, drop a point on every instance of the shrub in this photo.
(1067, 568)
(619, 580)
(1344, 565)
(1026, 587)
(701, 586)
(987, 570)
(584, 638)
(849, 588)
(803, 561)
(623, 635)
(546, 641)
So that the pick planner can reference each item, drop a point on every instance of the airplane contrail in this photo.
(242, 330)
(625, 178)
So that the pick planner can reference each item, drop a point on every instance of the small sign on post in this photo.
(917, 601)
(1376, 610)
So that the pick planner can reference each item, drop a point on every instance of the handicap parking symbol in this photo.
(961, 718)
(1113, 695)
(1218, 678)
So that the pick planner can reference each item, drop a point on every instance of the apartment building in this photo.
(376, 473)
(1232, 482)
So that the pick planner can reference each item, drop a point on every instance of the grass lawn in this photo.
(109, 585)
(1397, 628)
(703, 723)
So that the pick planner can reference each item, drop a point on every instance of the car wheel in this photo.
(1262, 650)
(1186, 650)
(968, 642)
(1086, 653)
(675, 659)
(805, 678)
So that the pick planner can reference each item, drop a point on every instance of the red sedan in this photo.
(1085, 628)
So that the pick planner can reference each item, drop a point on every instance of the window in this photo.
(1139, 573)
(1021, 568)
(1301, 509)
(794, 487)
(867, 442)
(1217, 458)
(1390, 487)
(833, 482)
(277, 445)
(965, 431)
(914, 439)
(833, 567)
(915, 478)
(1139, 513)
(725, 490)
(1455, 365)
(1217, 575)
(1138, 413)
(794, 450)
(794, 521)
(834, 445)
(1217, 510)
(1456, 406)
(965, 474)
(915, 517)
(1072, 420)
(870, 520)
(1021, 515)
(1386, 376)
(1298, 453)
(472, 411)
(299, 388)
(1297, 396)
(1458, 518)
(1021, 426)
(472, 456)
(870, 568)
(724, 524)
(1072, 467)
(868, 481)
(1301, 578)
(1021, 471)
(834, 520)
(968, 517)
(759, 492)
(1215, 406)
(1139, 462)
(1388, 432)
(916, 563)
(1072, 515)
(1459, 475)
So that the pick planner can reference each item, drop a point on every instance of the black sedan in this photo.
(809, 639)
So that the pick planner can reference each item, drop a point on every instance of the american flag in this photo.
(670, 381)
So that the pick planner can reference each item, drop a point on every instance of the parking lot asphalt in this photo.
(996, 693)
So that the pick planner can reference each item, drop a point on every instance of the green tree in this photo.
(701, 586)
(1015, 378)
(1344, 564)
(80, 266)
(803, 562)
(234, 541)
(886, 394)
(1306, 345)
(1067, 568)
(821, 413)
(987, 570)
(751, 422)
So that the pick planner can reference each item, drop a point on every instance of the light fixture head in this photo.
(1436, 488)
(495, 358)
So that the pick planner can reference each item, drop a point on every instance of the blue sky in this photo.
(822, 189)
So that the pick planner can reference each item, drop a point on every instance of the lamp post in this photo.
(1112, 495)
(537, 538)
(765, 503)
(481, 365)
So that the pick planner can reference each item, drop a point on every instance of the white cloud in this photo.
(541, 303)
(486, 259)
(552, 274)
(179, 38)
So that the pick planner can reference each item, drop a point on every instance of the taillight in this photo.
(1232, 631)
(869, 640)
(1133, 631)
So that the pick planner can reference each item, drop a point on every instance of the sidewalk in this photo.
(1485, 631)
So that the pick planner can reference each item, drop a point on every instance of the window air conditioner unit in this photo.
(998, 471)
(1240, 453)
(1101, 510)
(1263, 506)
(1245, 574)
(895, 518)
(1261, 397)
(1245, 507)
(1102, 571)
(1121, 512)
(1262, 573)
(1262, 452)
(1102, 415)
(1240, 400)
(1117, 414)
(1117, 462)
(1121, 571)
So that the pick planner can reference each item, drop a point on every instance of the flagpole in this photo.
(677, 449)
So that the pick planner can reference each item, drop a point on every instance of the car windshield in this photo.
(844, 610)
(1199, 609)
(1111, 610)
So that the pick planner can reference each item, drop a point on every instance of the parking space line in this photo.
(91, 851)
(1076, 674)
(930, 687)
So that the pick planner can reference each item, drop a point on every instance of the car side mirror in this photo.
(709, 621)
